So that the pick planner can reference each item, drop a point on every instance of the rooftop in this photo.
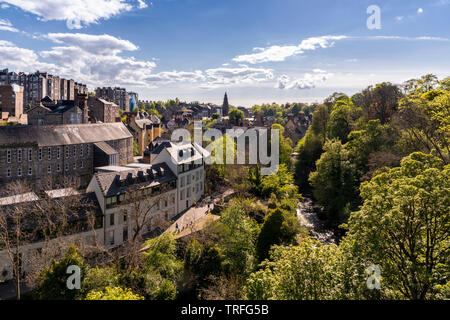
(64, 134)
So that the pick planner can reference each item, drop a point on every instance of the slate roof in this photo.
(182, 152)
(63, 134)
(115, 183)
(106, 148)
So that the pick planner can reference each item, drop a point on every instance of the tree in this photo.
(281, 184)
(156, 278)
(44, 221)
(285, 150)
(113, 293)
(97, 279)
(333, 181)
(279, 228)
(309, 271)
(319, 124)
(236, 116)
(52, 284)
(339, 123)
(309, 149)
(237, 238)
(403, 227)
(426, 123)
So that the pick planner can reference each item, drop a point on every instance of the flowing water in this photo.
(307, 215)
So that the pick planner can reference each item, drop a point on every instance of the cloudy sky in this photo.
(256, 50)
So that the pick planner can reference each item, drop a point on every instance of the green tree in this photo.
(279, 228)
(97, 279)
(339, 124)
(309, 271)
(281, 184)
(237, 239)
(236, 116)
(113, 293)
(333, 181)
(52, 282)
(285, 150)
(403, 227)
(160, 270)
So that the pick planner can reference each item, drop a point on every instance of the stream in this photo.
(307, 215)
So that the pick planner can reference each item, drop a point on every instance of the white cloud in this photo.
(4, 6)
(76, 12)
(219, 77)
(419, 11)
(176, 76)
(95, 44)
(309, 80)
(20, 59)
(280, 53)
(5, 25)
(399, 18)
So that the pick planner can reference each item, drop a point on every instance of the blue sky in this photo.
(256, 50)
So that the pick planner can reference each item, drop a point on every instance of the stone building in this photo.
(64, 153)
(101, 110)
(144, 128)
(119, 96)
(51, 112)
(11, 104)
(39, 85)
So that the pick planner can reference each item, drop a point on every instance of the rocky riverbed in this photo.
(307, 213)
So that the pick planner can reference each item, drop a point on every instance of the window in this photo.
(67, 167)
(58, 153)
(66, 180)
(111, 219)
(19, 172)
(30, 154)
(182, 182)
(125, 216)
(40, 154)
(30, 171)
(88, 149)
(111, 237)
(81, 164)
(74, 166)
(8, 156)
(8, 173)
(189, 179)
(67, 152)
(49, 169)
(19, 155)
(165, 204)
(74, 151)
(49, 153)
(81, 151)
(58, 168)
(182, 195)
(188, 192)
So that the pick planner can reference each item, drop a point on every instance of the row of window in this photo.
(189, 166)
(81, 151)
(49, 169)
(151, 191)
(189, 178)
(186, 193)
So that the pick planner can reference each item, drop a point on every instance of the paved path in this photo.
(191, 216)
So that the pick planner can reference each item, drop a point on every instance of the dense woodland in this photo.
(378, 164)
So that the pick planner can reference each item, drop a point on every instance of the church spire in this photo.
(225, 106)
